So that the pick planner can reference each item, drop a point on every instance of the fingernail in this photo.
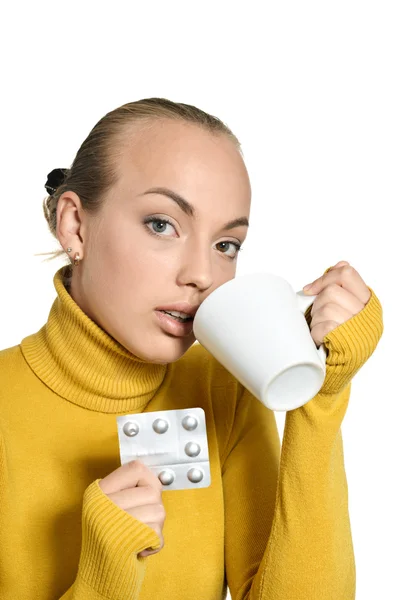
(307, 287)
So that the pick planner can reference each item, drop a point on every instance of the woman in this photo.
(152, 214)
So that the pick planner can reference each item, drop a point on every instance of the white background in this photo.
(311, 90)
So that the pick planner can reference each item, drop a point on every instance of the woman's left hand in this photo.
(341, 294)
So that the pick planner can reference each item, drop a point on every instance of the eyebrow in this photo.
(189, 209)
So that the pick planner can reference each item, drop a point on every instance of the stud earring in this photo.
(76, 259)
(69, 249)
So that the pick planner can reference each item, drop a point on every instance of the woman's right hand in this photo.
(135, 489)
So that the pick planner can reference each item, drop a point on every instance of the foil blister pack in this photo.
(173, 444)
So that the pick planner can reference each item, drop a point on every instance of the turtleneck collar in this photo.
(82, 363)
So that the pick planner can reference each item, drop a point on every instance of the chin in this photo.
(169, 350)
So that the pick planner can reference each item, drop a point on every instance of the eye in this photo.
(156, 226)
(236, 248)
(159, 224)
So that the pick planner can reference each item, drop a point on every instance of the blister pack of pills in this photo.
(171, 443)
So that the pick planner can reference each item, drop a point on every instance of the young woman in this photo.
(152, 214)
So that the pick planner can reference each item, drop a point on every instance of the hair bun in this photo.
(55, 179)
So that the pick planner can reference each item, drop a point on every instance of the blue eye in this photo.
(157, 231)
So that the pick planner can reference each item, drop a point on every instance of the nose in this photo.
(196, 266)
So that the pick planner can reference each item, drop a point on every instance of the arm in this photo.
(298, 547)
(111, 540)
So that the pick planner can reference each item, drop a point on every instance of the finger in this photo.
(149, 551)
(341, 263)
(335, 294)
(309, 286)
(330, 312)
(131, 474)
(136, 496)
(346, 277)
(322, 329)
(152, 515)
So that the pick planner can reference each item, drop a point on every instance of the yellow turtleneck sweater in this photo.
(271, 527)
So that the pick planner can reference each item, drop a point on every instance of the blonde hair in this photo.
(93, 171)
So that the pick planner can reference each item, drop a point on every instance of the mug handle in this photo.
(304, 302)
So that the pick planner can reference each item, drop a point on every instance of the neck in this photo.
(82, 363)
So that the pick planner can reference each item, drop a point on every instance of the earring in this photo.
(76, 259)
(69, 249)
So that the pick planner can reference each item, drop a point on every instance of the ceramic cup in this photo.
(254, 325)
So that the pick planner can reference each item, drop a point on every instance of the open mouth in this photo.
(180, 319)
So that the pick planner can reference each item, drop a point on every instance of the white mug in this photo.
(255, 326)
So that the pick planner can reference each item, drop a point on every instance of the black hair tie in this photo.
(55, 179)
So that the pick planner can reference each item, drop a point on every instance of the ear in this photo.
(71, 223)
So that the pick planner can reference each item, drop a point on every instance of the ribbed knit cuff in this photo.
(351, 344)
(111, 540)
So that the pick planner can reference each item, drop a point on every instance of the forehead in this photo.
(184, 157)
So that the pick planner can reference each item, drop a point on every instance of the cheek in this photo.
(133, 262)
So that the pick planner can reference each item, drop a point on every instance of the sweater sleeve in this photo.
(288, 534)
(109, 567)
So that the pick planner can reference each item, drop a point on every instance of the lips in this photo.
(173, 326)
(184, 307)
(181, 316)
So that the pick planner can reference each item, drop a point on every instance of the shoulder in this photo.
(12, 363)
(9, 357)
